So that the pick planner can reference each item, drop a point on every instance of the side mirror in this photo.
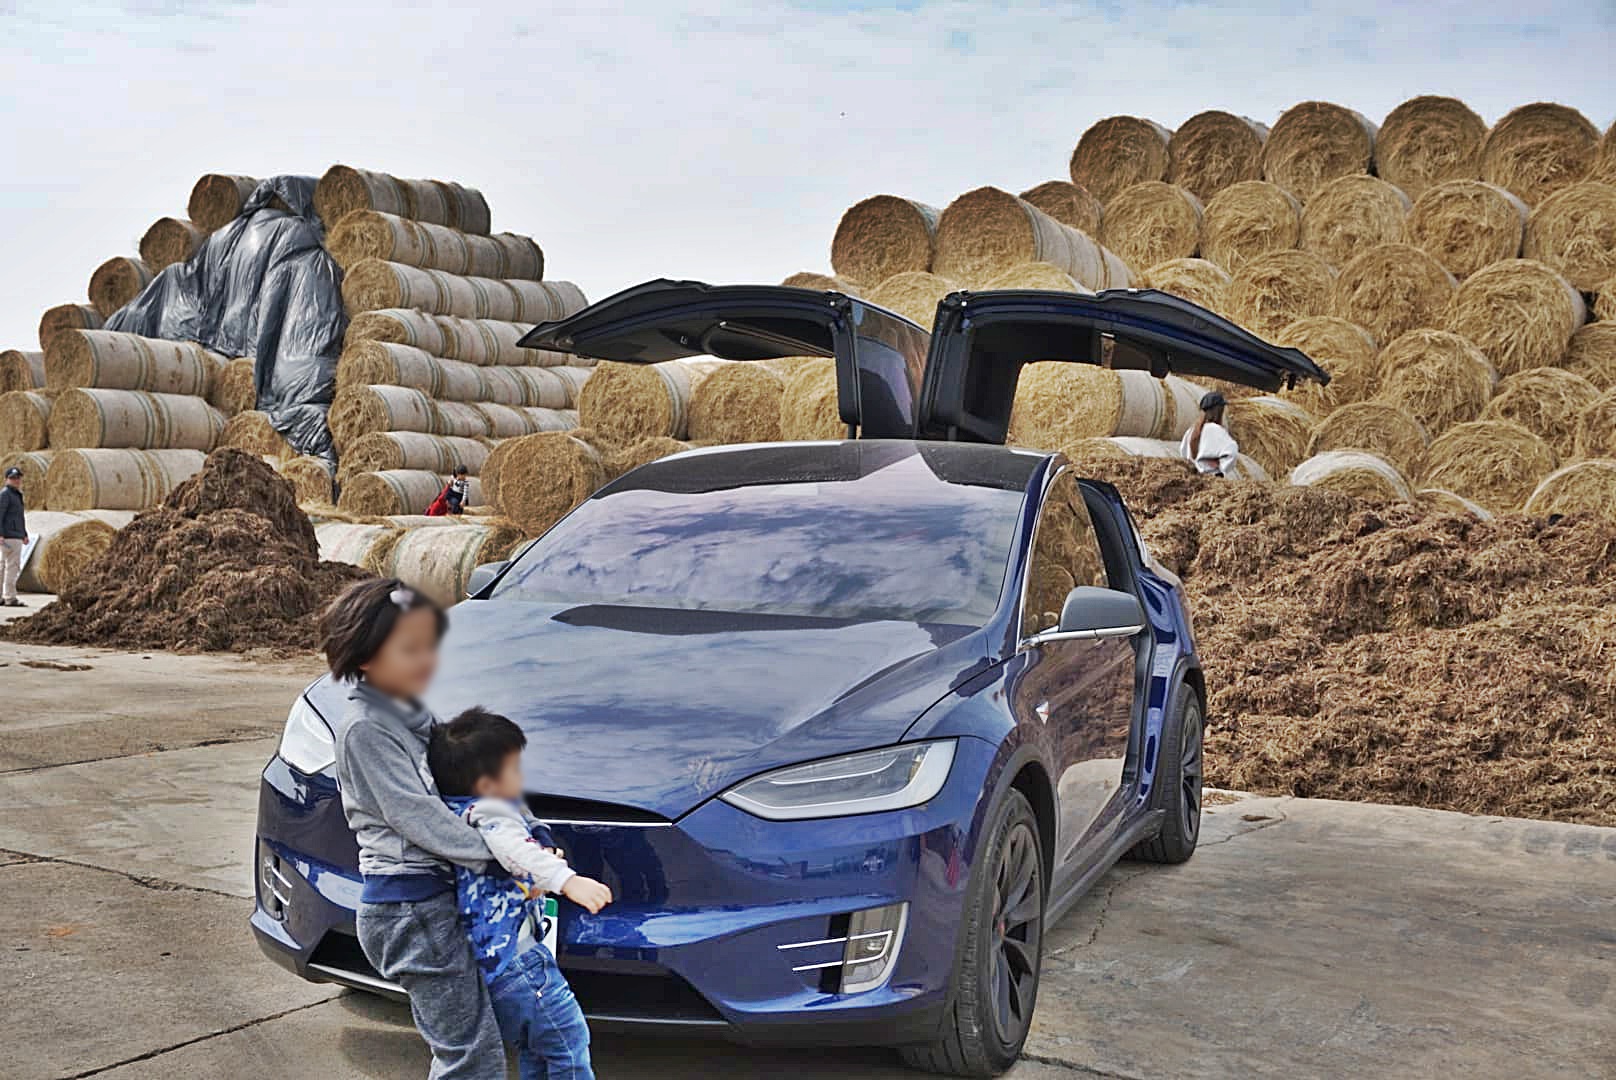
(484, 576)
(1092, 612)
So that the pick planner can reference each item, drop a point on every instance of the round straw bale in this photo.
(1592, 354)
(1538, 149)
(881, 236)
(1315, 142)
(112, 360)
(492, 342)
(382, 363)
(1212, 150)
(234, 387)
(1058, 403)
(1117, 153)
(1343, 349)
(310, 476)
(1446, 502)
(399, 326)
(170, 240)
(1429, 140)
(21, 370)
(1518, 312)
(1356, 473)
(25, 420)
(1200, 281)
(489, 471)
(1605, 301)
(469, 420)
(1152, 222)
(1068, 203)
(1574, 231)
(1545, 401)
(1438, 376)
(626, 402)
(1272, 291)
(913, 294)
(360, 410)
(1604, 166)
(33, 464)
(251, 430)
(396, 491)
(1492, 462)
(1581, 487)
(67, 317)
(1035, 275)
(1467, 224)
(372, 285)
(371, 234)
(1391, 289)
(439, 560)
(85, 417)
(382, 450)
(738, 403)
(1271, 430)
(344, 189)
(116, 282)
(64, 545)
(1377, 427)
(809, 279)
(217, 198)
(987, 231)
(1596, 428)
(809, 408)
(544, 476)
(628, 458)
(116, 479)
(352, 542)
(1352, 214)
(1248, 220)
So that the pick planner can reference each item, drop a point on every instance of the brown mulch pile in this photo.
(1392, 653)
(227, 563)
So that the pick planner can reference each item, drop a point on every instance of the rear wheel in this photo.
(1179, 774)
(996, 986)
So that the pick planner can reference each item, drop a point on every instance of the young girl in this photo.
(382, 636)
(1208, 444)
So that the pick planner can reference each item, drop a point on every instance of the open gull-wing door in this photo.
(879, 356)
(981, 341)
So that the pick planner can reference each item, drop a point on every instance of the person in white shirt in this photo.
(1208, 445)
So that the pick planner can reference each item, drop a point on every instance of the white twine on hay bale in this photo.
(354, 542)
(1391, 289)
(1060, 403)
(1247, 220)
(397, 491)
(1378, 427)
(1448, 502)
(1315, 142)
(1213, 150)
(1152, 222)
(382, 450)
(881, 236)
(1467, 224)
(87, 417)
(373, 285)
(1352, 214)
(1519, 312)
(344, 189)
(1118, 152)
(439, 560)
(371, 234)
(116, 479)
(1429, 140)
(1357, 473)
(1573, 231)
(25, 420)
(1583, 487)
(1068, 203)
(627, 402)
(111, 360)
(1538, 149)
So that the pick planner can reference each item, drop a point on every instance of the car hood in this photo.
(660, 710)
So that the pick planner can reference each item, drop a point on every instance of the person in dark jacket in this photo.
(13, 537)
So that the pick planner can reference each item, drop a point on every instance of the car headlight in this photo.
(307, 744)
(865, 783)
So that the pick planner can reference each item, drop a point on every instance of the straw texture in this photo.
(737, 403)
(20, 370)
(1068, 203)
(1151, 222)
(1438, 377)
(987, 231)
(1391, 289)
(168, 241)
(1213, 150)
(1467, 224)
(217, 199)
(66, 317)
(1573, 232)
(881, 236)
(372, 285)
(1494, 463)
(1427, 141)
(118, 361)
(1377, 427)
(1547, 402)
(1272, 291)
(1117, 153)
(371, 234)
(1519, 312)
(134, 419)
(1315, 142)
(1538, 149)
(344, 189)
(25, 420)
(1584, 487)
(1355, 473)
(1352, 214)
(116, 479)
(116, 282)
(1344, 349)
(1248, 220)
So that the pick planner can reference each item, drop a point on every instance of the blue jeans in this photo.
(537, 1012)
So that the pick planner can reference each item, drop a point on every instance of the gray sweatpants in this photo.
(423, 947)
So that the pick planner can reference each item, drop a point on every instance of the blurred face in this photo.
(505, 784)
(404, 665)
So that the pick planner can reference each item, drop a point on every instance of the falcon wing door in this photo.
(981, 341)
(879, 356)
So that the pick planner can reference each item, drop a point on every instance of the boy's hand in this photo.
(587, 893)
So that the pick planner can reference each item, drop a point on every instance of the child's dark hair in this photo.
(473, 745)
(359, 620)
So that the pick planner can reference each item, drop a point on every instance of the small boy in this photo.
(476, 761)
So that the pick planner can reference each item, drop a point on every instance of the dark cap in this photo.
(1212, 400)
(461, 470)
(14, 473)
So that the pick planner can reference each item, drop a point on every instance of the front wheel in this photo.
(996, 986)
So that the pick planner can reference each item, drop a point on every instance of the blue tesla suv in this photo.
(844, 725)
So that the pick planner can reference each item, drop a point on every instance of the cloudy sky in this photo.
(717, 143)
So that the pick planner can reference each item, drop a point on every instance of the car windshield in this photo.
(894, 543)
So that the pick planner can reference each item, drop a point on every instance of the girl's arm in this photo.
(382, 772)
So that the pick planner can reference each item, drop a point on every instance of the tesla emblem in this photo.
(1042, 709)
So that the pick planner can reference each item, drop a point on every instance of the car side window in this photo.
(1065, 554)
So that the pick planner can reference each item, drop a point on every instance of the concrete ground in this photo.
(1305, 939)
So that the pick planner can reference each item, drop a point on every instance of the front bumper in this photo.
(701, 910)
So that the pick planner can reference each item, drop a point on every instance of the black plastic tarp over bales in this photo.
(263, 286)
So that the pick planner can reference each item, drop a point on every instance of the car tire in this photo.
(1179, 774)
(996, 982)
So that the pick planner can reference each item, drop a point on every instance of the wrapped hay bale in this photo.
(1357, 473)
(116, 282)
(235, 389)
(1213, 150)
(492, 421)
(808, 279)
(170, 240)
(1059, 403)
(439, 560)
(1573, 231)
(353, 543)
(1592, 354)
(1494, 463)
(25, 420)
(1248, 220)
(344, 189)
(116, 479)
(1596, 428)
(20, 370)
(1546, 402)
(1352, 214)
(1446, 502)
(1200, 281)
(628, 458)
(1036, 275)
(1376, 427)
(1272, 431)
(1272, 291)
(372, 285)
(987, 231)
(111, 360)
(380, 363)
(491, 342)
(882, 236)
(544, 476)
(360, 410)
(1520, 313)
(626, 402)
(808, 403)
(65, 545)
(1581, 487)
(1343, 349)
(217, 199)
(1068, 203)
(913, 294)
(33, 464)
(66, 317)
(1152, 222)
(1427, 141)
(89, 417)
(398, 326)
(371, 234)
(1538, 149)
(1316, 142)
(1118, 152)
(1391, 289)
(252, 431)
(396, 491)
(383, 450)
(310, 476)
(1438, 376)
(1467, 224)
(738, 403)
